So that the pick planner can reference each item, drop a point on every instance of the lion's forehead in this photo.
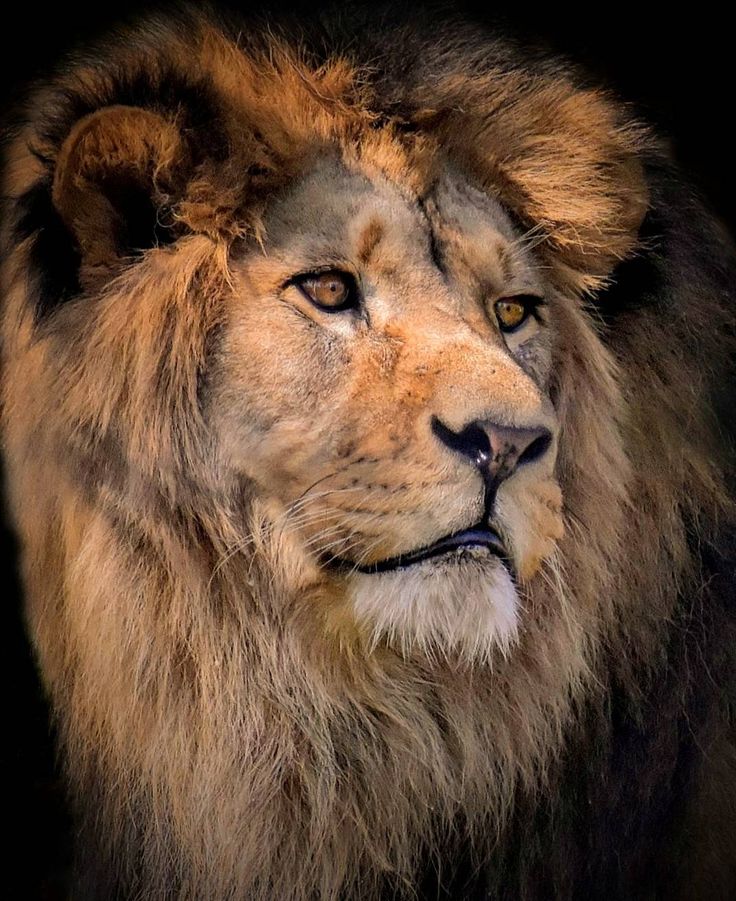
(341, 213)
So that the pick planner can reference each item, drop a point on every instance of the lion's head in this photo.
(383, 381)
(332, 485)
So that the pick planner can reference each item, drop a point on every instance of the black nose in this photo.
(496, 450)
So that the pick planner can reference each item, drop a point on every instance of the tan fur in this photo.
(255, 733)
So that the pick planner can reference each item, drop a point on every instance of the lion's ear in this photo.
(116, 173)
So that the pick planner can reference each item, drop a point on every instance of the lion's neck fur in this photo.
(319, 764)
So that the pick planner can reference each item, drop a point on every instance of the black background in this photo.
(676, 68)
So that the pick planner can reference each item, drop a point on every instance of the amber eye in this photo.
(512, 312)
(332, 291)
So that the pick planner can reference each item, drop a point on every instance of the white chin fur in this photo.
(461, 605)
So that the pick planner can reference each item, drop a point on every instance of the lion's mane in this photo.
(216, 744)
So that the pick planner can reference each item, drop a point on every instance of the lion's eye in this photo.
(513, 312)
(332, 291)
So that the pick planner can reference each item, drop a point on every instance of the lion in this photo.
(365, 415)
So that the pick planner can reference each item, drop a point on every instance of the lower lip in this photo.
(469, 538)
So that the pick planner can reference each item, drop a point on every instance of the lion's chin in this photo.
(460, 606)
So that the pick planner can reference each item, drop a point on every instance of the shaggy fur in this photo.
(240, 720)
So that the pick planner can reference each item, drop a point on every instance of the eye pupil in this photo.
(329, 290)
(511, 313)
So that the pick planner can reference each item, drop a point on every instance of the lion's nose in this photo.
(495, 449)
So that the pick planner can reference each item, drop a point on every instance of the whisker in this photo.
(303, 500)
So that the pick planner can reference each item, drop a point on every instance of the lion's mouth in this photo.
(476, 537)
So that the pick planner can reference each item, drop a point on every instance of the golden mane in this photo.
(217, 744)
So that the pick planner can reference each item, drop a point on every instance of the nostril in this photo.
(492, 447)
(536, 449)
(472, 441)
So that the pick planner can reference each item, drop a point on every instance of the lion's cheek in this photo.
(532, 519)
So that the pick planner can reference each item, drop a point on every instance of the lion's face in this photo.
(383, 381)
